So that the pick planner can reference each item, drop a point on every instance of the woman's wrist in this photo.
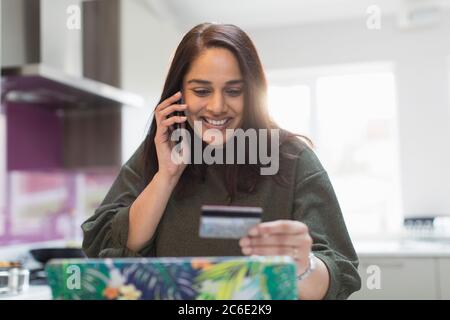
(315, 285)
(311, 266)
(167, 180)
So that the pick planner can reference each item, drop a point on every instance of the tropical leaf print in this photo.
(163, 281)
(280, 284)
(176, 278)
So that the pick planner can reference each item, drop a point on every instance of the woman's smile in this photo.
(216, 123)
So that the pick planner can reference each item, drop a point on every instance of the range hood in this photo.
(38, 83)
(43, 57)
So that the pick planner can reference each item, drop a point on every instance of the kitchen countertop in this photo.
(365, 249)
(34, 292)
(403, 248)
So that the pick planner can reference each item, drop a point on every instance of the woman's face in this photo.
(213, 89)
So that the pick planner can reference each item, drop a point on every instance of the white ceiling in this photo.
(272, 13)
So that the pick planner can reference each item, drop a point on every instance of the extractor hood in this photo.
(38, 83)
(42, 57)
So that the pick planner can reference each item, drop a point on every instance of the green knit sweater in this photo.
(309, 198)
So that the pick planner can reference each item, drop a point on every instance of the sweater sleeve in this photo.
(316, 205)
(105, 233)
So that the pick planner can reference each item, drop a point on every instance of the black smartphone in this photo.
(179, 113)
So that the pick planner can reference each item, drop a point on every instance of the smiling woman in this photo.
(153, 207)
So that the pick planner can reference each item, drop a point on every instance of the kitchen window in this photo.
(350, 114)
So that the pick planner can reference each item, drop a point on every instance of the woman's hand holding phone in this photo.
(167, 115)
(148, 208)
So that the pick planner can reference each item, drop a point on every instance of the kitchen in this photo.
(371, 82)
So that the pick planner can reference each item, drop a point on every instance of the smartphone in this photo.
(179, 113)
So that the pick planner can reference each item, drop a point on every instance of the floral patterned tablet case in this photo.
(190, 278)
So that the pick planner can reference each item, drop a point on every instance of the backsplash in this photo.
(50, 205)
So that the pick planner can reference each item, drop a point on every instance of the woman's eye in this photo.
(234, 93)
(201, 92)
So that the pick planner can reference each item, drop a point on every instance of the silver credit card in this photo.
(228, 222)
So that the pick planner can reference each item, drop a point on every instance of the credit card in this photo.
(228, 222)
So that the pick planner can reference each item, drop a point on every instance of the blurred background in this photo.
(367, 81)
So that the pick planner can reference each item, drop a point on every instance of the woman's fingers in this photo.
(172, 120)
(279, 227)
(169, 101)
(269, 251)
(164, 104)
(171, 109)
(280, 237)
(165, 125)
(277, 240)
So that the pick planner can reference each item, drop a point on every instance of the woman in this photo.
(153, 207)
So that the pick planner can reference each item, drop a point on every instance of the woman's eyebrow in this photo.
(209, 82)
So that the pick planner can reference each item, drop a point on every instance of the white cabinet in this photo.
(444, 278)
(401, 278)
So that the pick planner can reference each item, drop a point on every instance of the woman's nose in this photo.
(217, 105)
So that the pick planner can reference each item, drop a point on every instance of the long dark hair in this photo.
(238, 178)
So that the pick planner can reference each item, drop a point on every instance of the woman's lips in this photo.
(216, 123)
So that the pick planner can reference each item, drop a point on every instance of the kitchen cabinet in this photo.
(410, 268)
(400, 278)
(444, 278)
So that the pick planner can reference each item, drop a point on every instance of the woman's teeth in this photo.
(216, 122)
